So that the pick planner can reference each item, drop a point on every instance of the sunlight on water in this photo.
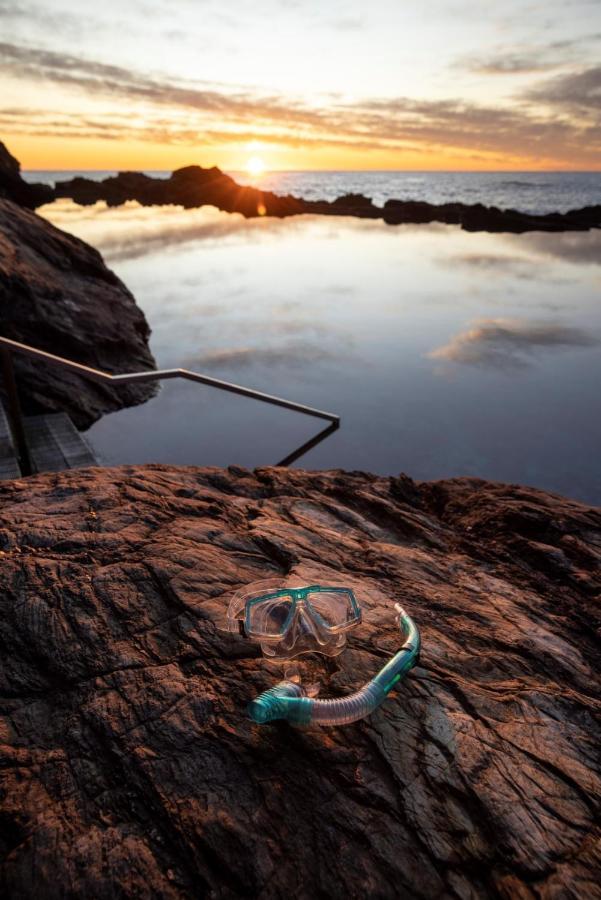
(445, 353)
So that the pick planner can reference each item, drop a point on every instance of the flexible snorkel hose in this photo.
(289, 701)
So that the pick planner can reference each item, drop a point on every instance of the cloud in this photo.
(527, 58)
(577, 91)
(97, 77)
(512, 62)
(30, 16)
(184, 112)
(509, 344)
(460, 124)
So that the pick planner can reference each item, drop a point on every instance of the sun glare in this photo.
(255, 166)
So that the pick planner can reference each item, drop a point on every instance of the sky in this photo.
(293, 84)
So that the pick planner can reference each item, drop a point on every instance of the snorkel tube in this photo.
(289, 701)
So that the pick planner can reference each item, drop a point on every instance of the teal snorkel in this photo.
(289, 621)
(289, 701)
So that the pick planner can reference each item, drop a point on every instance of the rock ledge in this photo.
(129, 768)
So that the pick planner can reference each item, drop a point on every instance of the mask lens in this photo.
(269, 616)
(334, 608)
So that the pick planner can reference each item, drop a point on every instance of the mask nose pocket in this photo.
(310, 626)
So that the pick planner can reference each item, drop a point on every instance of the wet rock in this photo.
(13, 187)
(129, 768)
(57, 294)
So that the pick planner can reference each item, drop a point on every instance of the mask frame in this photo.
(290, 619)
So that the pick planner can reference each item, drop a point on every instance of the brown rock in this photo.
(129, 768)
(57, 294)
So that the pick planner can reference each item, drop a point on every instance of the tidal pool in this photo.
(445, 353)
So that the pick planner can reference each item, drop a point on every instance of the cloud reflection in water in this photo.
(296, 355)
(509, 344)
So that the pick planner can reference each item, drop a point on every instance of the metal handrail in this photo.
(8, 347)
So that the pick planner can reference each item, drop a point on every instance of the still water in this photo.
(444, 353)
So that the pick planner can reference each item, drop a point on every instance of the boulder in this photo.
(128, 765)
(57, 294)
(13, 187)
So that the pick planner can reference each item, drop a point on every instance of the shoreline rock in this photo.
(194, 186)
(13, 187)
(57, 294)
(130, 769)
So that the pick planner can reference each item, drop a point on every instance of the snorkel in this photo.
(282, 620)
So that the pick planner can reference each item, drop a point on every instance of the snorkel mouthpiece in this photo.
(284, 701)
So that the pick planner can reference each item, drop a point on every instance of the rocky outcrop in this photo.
(189, 187)
(13, 187)
(477, 217)
(194, 186)
(129, 768)
(57, 294)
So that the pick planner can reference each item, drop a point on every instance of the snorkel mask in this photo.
(288, 618)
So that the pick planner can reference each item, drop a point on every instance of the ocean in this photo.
(532, 192)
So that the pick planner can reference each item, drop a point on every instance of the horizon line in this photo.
(298, 171)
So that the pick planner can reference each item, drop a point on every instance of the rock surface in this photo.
(129, 768)
(57, 294)
(194, 186)
(13, 187)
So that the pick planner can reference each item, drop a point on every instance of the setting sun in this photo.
(255, 166)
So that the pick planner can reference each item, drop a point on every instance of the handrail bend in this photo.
(163, 374)
(8, 347)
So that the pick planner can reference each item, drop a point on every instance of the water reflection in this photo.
(133, 233)
(445, 353)
(510, 344)
(292, 355)
(521, 267)
(568, 246)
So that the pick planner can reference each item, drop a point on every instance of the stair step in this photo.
(9, 466)
(56, 444)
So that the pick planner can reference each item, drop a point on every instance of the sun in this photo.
(255, 166)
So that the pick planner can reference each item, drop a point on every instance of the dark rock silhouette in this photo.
(13, 187)
(57, 294)
(129, 768)
(194, 186)
(476, 217)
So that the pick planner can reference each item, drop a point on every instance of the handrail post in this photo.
(14, 411)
